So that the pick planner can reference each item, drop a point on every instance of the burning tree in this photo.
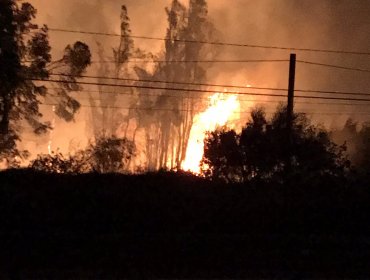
(163, 119)
(169, 125)
(106, 119)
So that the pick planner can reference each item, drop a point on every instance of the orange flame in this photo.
(222, 108)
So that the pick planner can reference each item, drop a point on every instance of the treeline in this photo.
(263, 150)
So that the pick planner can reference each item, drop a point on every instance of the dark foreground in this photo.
(175, 225)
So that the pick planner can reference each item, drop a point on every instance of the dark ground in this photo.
(169, 225)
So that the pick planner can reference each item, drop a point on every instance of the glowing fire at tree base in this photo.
(221, 110)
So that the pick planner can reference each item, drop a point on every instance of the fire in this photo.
(221, 110)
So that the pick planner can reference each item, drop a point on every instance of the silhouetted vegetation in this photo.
(253, 218)
(263, 148)
(357, 138)
(25, 60)
(103, 155)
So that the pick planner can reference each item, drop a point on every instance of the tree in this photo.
(25, 61)
(19, 95)
(359, 142)
(364, 147)
(111, 154)
(105, 118)
(58, 163)
(67, 70)
(168, 130)
(104, 155)
(258, 152)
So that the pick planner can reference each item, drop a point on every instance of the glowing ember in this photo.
(222, 108)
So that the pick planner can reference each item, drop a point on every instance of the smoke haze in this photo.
(322, 24)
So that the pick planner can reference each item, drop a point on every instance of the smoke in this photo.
(327, 24)
(324, 24)
(147, 17)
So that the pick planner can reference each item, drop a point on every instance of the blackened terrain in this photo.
(178, 225)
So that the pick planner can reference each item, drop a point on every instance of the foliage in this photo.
(363, 148)
(357, 138)
(57, 163)
(105, 155)
(75, 60)
(125, 49)
(10, 157)
(25, 52)
(78, 57)
(25, 61)
(111, 155)
(262, 150)
(167, 132)
(105, 117)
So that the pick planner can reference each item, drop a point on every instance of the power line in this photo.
(333, 92)
(159, 88)
(215, 43)
(197, 111)
(129, 108)
(226, 61)
(197, 61)
(334, 66)
(143, 108)
(207, 98)
(133, 60)
(139, 60)
(147, 94)
(169, 82)
(206, 91)
(211, 85)
(338, 113)
(172, 109)
(240, 61)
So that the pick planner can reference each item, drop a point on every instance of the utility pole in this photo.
(291, 91)
(292, 66)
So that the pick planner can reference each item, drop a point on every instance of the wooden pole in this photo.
(290, 107)
(292, 67)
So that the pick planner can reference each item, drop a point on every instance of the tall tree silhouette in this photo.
(105, 118)
(168, 131)
(19, 95)
(24, 57)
